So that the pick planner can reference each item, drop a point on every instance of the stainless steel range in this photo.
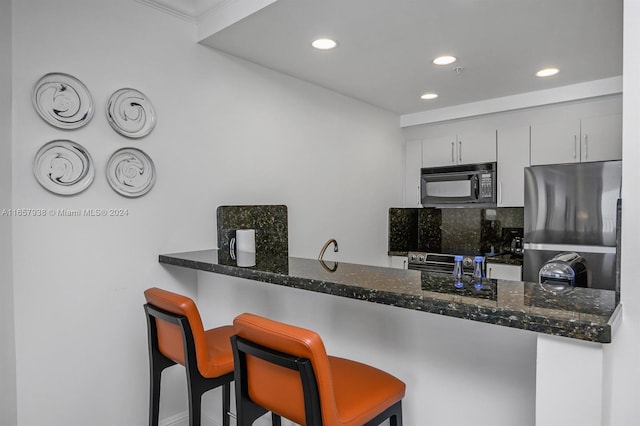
(441, 262)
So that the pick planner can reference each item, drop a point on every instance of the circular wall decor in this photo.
(131, 172)
(62, 101)
(63, 167)
(130, 113)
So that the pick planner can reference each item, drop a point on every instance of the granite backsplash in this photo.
(272, 233)
(454, 229)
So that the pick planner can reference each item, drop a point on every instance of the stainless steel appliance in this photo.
(452, 186)
(568, 269)
(442, 262)
(572, 208)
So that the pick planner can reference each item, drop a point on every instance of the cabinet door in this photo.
(602, 138)
(439, 151)
(555, 142)
(513, 157)
(412, 166)
(499, 271)
(476, 147)
(399, 262)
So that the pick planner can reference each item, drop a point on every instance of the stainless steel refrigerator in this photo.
(572, 208)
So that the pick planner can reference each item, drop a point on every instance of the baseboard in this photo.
(179, 419)
(182, 419)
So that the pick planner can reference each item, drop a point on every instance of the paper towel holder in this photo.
(244, 246)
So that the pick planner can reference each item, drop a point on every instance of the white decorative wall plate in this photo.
(63, 167)
(62, 101)
(131, 172)
(130, 113)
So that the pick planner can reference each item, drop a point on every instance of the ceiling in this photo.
(386, 47)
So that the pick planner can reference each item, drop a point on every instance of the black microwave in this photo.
(459, 186)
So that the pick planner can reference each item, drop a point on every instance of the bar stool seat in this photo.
(362, 391)
(286, 370)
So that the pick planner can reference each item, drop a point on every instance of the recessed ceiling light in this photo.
(429, 96)
(444, 60)
(547, 72)
(324, 44)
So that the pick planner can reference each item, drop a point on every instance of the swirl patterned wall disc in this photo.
(63, 167)
(131, 172)
(62, 101)
(130, 113)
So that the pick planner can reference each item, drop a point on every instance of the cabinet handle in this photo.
(453, 147)
(575, 146)
(500, 193)
(419, 201)
(489, 274)
(460, 151)
(586, 146)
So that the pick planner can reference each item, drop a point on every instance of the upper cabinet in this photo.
(601, 138)
(513, 157)
(412, 166)
(595, 138)
(463, 148)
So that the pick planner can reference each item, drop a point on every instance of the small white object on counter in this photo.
(246, 247)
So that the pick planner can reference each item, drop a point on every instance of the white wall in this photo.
(227, 133)
(458, 372)
(7, 348)
(622, 368)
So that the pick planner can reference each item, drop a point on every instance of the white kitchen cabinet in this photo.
(595, 138)
(464, 148)
(399, 262)
(477, 147)
(439, 151)
(500, 271)
(601, 138)
(513, 157)
(412, 166)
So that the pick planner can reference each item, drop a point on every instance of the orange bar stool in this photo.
(176, 336)
(286, 370)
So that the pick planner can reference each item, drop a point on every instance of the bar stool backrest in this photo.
(170, 341)
(280, 389)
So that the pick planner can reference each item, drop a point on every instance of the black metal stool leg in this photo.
(154, 396)
(195, 407)
(226, 403)
(275, 419)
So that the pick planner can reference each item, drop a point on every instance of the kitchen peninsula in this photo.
(585, 314)
(570, 325)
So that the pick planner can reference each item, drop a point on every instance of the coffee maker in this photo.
(566, 269)
(512, 241)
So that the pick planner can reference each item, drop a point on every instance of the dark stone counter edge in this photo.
(571, 328)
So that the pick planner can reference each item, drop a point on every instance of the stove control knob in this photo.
(467, 262)
(421, 258)
(412, 257)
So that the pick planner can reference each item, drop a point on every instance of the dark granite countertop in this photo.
(585, 314)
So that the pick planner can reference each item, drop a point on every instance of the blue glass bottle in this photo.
(457, 271)
(477, 272)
